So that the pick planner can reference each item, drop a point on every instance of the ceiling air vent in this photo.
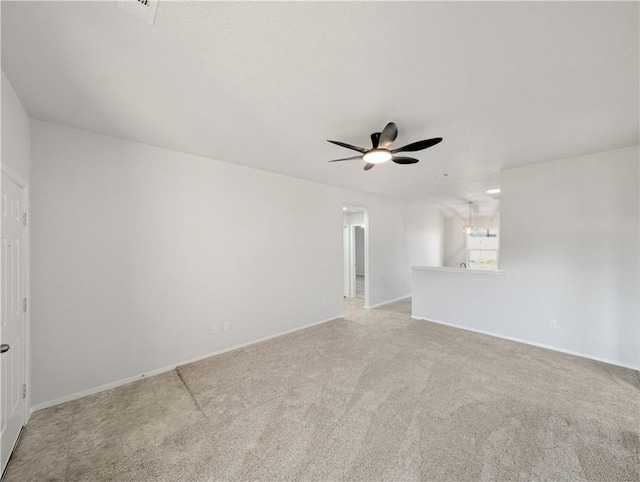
(144, 9)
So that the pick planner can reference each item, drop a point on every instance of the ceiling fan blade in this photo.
(348, 146)
(375, 139)
(368, 166)
(418, 146)
(404, 160)
(388, 135)
(347, 159)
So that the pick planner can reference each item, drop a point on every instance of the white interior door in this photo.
(12, 325)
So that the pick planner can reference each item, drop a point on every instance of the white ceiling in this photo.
(265, 84)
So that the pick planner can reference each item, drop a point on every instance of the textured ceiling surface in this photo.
(265, 84)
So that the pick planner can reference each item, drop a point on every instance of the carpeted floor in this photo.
(378, 396)
(359, 286)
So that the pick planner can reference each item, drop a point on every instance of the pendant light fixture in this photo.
(467, 230)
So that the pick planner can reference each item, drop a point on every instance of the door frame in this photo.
(352, 260)
(350, 244)
(15, 177)
(353, 257)
(346, 261)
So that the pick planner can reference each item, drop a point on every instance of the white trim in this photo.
(388, 302)
(367, 258)
(352, 260)
(532, 343)
(346, 283)
(158, 371)
(457, 270)
(14, 176)
(27, 337)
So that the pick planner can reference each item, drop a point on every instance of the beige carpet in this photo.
(359, 286)
(378, 396)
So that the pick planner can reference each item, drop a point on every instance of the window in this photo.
(482, 248)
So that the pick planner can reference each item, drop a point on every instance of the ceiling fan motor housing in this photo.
(377, 156)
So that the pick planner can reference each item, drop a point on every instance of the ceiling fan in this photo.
(380, 152)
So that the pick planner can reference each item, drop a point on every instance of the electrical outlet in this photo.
(553, 324)
(225, 327)
(214, 328)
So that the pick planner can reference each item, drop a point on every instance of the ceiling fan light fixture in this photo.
(381, 152)
(377, 156)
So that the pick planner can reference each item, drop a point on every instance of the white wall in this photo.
(138, 250)
(16, 143)
(425, 235)
(569, 252)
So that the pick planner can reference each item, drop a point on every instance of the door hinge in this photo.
(24, 219)
(24, 305)
(24, 391)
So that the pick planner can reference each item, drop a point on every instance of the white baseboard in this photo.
(527, 342)
(158, 371)
(377, 305)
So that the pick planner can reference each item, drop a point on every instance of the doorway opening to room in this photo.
(356, 249)
(472, 235)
